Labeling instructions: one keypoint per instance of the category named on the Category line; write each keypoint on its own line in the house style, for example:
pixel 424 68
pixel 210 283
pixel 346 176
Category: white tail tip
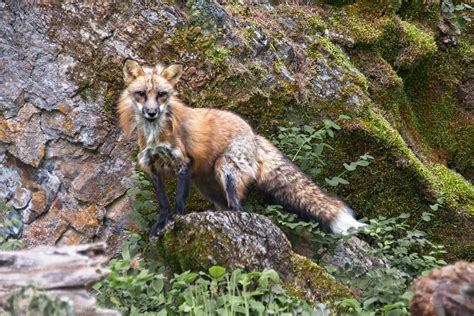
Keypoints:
pixel 345 221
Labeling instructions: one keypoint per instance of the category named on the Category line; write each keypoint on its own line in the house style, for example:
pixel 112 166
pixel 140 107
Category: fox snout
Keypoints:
pixel 150 114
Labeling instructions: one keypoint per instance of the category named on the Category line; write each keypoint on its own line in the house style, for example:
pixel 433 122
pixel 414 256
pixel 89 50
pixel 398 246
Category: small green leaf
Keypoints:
pixel 350 167
pixel 351 303
pixel 216 272
pixel 157 285
pixel 126 253
pixel 345 117
pixel 335 181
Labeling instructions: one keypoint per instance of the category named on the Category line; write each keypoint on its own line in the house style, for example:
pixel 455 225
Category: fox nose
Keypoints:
pixel 150 114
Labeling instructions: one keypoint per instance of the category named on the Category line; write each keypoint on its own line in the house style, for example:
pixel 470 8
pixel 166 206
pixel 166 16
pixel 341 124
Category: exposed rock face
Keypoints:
pixel 65 166
pixel 351 251
pixel 62 157
pixel 63 160
pixel 247 241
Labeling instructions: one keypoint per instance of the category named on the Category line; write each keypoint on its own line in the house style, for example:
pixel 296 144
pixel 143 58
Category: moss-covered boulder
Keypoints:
pixel 248 241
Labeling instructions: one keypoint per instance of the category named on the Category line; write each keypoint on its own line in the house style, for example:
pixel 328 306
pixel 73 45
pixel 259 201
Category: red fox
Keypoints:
pixel 215 149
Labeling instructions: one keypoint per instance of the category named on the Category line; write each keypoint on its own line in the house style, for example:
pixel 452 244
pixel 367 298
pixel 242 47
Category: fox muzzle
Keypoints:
pixel 151 114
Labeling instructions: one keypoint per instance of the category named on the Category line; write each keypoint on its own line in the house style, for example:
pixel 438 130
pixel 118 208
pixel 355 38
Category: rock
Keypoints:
pixel 248 241
pixel 465 93
pixel 70 237
pixel 29 145
pixel 63 272
pixel 353 251
pixel 50 137
pixel 21 198
pixel 36 207
pixel 65 214
pixel 9 181
pixel 445 291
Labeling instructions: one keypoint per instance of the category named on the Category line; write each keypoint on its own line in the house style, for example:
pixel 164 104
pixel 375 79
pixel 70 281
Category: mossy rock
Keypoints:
pixel 410 124
pixel 380 7
pixel 248 241
pixel 401 43
pixel 398 182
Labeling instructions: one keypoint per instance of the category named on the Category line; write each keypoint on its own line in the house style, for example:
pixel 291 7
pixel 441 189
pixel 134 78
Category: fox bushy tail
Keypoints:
pixel 288 186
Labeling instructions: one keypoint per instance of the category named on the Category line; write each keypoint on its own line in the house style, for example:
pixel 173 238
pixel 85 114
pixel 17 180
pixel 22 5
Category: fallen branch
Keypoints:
pixel 63 272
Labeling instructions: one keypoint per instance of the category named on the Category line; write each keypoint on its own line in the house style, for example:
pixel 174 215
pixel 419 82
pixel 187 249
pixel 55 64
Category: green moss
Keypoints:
pixel 422 12
pixel 306 21
pixel 315 23
pixel 217 56
pixel 378 8
pixel 182 249
pixel 398 182
pixel 364 31
pixel 417 46
pixel 310 275
pixel 398 42
pixel 459 193
pixel 385 86
pixel 442 124
pixel 323 46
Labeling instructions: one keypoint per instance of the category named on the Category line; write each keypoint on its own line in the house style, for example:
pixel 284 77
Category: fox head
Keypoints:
pixel 149 89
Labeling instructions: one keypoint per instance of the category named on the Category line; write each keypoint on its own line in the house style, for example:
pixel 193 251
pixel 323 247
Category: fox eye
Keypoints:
pixel 141 94
pixel 161 94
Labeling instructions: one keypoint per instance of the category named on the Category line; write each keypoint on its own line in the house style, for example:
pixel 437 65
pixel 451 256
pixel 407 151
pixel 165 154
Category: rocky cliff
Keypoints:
pixel 65 166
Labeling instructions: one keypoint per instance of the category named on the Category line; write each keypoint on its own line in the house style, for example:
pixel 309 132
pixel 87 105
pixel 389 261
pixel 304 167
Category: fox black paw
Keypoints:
pixel 158 229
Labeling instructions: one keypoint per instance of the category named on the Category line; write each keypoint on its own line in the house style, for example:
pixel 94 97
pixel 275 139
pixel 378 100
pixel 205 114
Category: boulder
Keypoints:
pixel 249 241
pixel 445 291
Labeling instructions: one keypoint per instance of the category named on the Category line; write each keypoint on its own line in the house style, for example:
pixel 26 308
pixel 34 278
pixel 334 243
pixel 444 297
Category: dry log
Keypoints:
pixel 64 272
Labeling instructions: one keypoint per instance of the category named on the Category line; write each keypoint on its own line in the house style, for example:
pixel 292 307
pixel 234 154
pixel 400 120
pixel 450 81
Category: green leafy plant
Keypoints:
pixel 9 223
pixel 138 286
pixel 405 251
pixel 457 14
pixel 30 301
pixel 306 146
pixel 135 285
pixel 144 205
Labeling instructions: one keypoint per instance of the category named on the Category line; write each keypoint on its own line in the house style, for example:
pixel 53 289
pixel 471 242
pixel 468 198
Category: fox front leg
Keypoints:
pixel 182 191
pixel 164 204
pixel 145 160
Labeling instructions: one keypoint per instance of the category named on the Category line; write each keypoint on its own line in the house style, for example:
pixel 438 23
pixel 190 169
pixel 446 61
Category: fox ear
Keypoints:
pixel 131 70
pixel 172 73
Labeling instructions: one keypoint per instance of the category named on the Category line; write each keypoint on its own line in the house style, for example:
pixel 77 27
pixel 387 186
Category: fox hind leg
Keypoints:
pixel 233 200
pixel 233 182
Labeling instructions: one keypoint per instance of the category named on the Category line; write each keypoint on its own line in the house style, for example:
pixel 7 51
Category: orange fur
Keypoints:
pixel 222 150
